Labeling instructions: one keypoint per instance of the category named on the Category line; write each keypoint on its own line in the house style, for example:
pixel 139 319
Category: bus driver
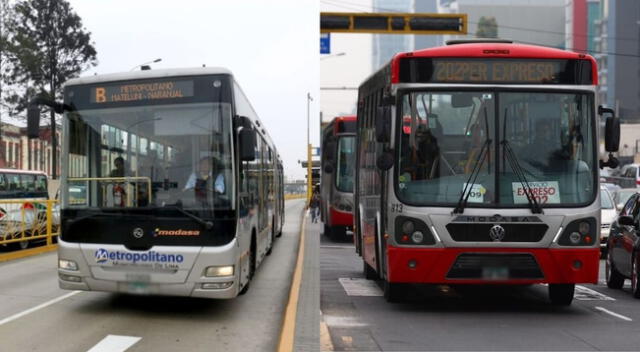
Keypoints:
pixel 198 180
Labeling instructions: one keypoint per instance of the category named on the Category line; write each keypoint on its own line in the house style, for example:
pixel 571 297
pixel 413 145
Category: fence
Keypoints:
pixel 26 221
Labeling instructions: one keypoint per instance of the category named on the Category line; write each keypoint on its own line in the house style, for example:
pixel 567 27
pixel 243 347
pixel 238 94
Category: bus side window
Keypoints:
pixel 28 183
pixel 14 182
pixel 41 183
pixel 3 182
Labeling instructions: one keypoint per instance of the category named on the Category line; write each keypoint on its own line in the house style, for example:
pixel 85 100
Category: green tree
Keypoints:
pixel 487 28
pixel 48 46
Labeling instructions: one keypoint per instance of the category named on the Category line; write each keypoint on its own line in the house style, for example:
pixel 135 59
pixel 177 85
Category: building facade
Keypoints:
pixel 17 151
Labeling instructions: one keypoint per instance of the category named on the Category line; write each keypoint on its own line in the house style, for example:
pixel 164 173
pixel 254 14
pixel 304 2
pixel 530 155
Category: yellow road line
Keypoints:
pixel 287 333
pixel 27 252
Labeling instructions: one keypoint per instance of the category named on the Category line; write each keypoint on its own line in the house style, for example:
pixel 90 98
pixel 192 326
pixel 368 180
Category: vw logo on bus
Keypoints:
pixel 138 232
pixel 497 233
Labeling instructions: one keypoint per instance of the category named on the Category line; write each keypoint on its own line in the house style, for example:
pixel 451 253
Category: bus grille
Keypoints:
pixel 513 232
pixel 495 266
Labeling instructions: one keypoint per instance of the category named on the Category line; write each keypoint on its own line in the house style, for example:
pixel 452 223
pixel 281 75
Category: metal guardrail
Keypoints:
pixel 295 196
pixel 25 221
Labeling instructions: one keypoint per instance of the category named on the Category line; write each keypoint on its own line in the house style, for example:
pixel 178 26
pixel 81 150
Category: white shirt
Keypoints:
pixel 218 184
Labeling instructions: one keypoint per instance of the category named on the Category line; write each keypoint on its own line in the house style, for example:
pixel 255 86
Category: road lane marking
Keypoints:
pixel 287 334
pixel 614 314
pixel 343 322
pixel 115 343
pixel 325 336
pixel 586 294
pixel 338 247
pixel 360 287
pixel 38 307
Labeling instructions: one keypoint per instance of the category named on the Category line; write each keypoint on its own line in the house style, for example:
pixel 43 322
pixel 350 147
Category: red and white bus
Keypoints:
pixel 477 163
pixel 338 160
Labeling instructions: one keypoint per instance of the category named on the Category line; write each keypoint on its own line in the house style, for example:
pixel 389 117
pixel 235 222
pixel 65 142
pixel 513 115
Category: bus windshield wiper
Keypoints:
pixel 519 171
pixel 93 214
pixel 178 206
pixel 468 186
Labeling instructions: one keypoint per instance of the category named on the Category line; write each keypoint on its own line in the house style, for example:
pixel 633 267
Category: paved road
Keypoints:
pixel 79 322
pixel 472 318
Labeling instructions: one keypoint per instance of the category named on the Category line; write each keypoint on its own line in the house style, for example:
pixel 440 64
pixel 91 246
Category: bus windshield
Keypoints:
pixel 511 138
pixel 150 156
pixel 345 163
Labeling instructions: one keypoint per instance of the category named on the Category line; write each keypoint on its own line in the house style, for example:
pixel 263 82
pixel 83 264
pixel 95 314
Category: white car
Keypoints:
pixel 608 213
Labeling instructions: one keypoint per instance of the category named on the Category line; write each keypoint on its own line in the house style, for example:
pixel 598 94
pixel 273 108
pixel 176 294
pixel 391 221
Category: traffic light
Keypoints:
pixel 393 23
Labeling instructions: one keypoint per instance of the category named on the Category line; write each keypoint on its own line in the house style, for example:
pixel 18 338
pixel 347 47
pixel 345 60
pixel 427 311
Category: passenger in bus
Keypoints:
pixel 427 153
pixel 119 170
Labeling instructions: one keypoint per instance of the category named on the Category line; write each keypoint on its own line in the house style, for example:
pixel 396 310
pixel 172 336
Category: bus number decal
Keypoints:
pixel 396 208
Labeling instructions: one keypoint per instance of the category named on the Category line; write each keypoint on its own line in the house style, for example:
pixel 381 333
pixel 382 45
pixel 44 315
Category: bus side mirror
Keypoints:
pixel 247 139
pixel 33 121
pixel 383 124
pixel 330 151
pixel 385 160
pixel 611 136
pixel 625 220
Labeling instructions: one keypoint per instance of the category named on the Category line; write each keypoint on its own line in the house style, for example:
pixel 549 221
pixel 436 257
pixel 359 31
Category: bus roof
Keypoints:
pixel 492 50
pixel 147 74
pixel 335 126
pixel 18 171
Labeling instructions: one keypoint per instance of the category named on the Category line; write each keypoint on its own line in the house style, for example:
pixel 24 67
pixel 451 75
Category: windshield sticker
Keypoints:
pixel 477 193
pixel 544 192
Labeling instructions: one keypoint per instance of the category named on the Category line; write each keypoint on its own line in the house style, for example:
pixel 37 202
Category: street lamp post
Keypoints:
pixel 146 63
pixel 309 174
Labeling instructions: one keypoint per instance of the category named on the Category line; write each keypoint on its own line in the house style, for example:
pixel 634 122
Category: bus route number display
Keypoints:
pixel 131 92
pixel 529 71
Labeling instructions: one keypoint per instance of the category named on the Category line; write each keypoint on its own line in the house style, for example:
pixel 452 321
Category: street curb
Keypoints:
pixel 27 253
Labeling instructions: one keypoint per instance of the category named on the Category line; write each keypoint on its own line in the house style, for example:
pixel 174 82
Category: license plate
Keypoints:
pixel 495 273
pixel 139 288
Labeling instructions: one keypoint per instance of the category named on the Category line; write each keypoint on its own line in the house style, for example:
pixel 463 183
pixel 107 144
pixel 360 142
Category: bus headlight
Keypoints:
pixel 583 228
pixel 575 238
pixel 417 237
pixel 215 271
pixel 412 231
pixel 581 232
pixel 67 265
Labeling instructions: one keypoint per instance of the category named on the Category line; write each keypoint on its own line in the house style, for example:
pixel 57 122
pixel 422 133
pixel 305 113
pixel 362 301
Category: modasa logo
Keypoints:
pixel 102 256
pixel 179 232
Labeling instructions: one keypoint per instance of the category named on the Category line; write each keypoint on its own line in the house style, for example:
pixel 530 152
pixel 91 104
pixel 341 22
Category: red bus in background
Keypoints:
pixel 336 183
pixel 477 163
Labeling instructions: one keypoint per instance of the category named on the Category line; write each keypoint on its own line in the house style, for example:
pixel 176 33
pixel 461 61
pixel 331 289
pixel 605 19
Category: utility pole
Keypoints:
pixel 309 172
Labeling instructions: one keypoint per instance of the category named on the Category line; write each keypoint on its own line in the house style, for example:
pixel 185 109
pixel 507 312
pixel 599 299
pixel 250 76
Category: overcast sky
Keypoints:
pixel 272 47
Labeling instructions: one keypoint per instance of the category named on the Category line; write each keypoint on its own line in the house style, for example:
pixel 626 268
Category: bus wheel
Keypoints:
pixel 273 241
pixel 614 279
pixel 635 288
pixel 369 273
pixel 327 230
pixel 561 294
pixel 392 292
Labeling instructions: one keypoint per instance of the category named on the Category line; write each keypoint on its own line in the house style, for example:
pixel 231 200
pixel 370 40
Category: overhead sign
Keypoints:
pixel 325 43
pixel 142 91
pixel 393 23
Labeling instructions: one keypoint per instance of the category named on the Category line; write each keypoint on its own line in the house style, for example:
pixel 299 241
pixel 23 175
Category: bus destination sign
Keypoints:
pixel 497 71
pixel 131 92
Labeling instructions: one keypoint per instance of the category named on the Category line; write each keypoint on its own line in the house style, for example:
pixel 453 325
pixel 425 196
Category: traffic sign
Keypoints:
pixel 394 23
pixel 325 43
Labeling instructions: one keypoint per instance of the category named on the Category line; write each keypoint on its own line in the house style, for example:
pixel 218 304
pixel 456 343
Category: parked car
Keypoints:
pixel 621 196
pixel 607 214
pixel 611 187
pixel 629 176
pixel 623 259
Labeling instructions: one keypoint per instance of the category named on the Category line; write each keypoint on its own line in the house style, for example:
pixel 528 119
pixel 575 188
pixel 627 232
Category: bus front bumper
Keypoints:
pixel 492 265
